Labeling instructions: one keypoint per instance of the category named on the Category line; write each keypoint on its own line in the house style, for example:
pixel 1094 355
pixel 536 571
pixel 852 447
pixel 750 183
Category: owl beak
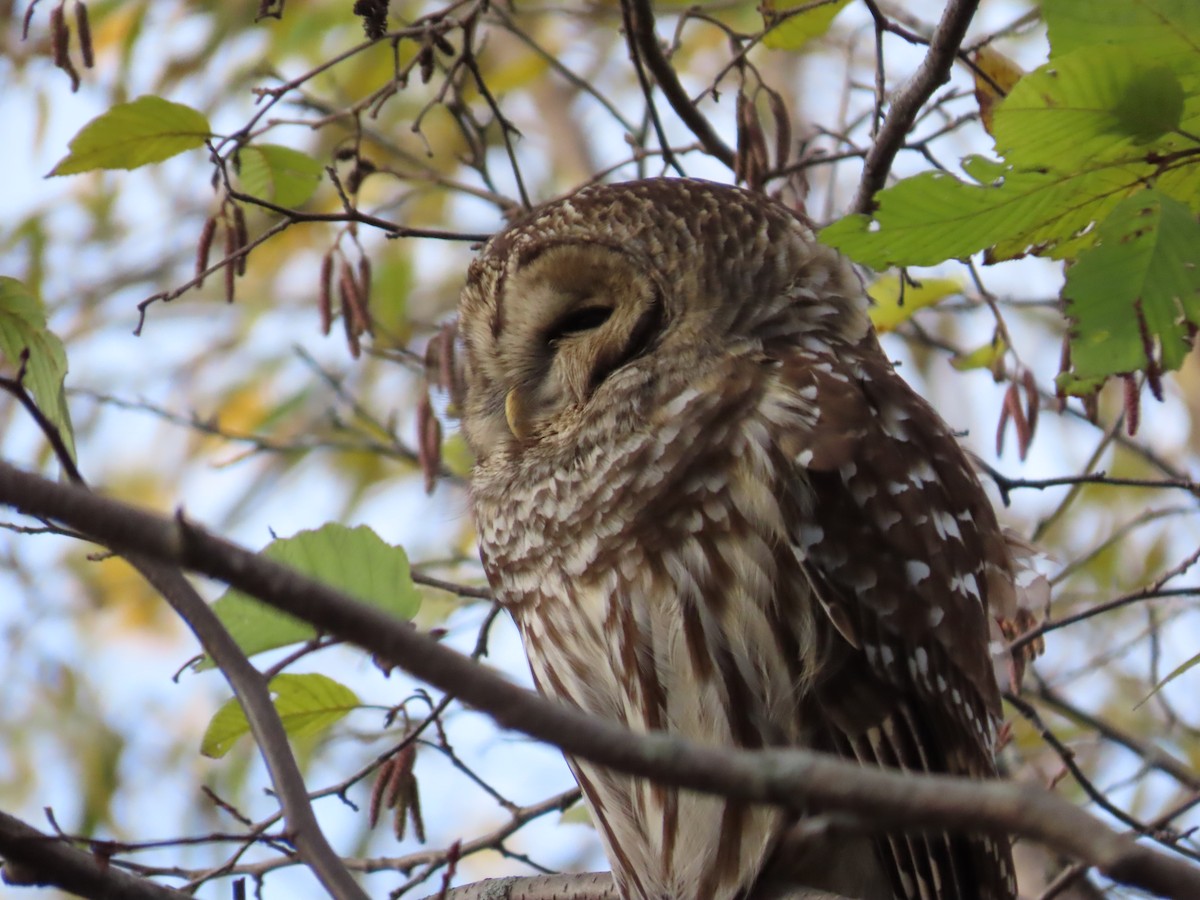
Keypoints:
pixel 514 415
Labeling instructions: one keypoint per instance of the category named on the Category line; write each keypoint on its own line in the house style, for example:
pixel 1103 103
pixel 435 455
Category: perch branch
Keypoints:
pixel 889 800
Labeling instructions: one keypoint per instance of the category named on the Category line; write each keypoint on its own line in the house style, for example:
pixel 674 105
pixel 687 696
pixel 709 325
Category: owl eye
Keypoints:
pixel 578 321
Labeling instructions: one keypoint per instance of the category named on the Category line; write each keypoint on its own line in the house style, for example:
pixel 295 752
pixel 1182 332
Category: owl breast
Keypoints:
pixel 654 584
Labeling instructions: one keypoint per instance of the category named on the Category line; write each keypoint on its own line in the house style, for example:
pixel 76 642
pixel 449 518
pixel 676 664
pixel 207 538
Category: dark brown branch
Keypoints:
pixel 888 800
pixel 35 859
pixel 642 24
pixel 1006 485
pixel 933 72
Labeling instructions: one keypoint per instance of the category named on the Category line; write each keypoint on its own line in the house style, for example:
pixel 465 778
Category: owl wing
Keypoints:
pixel 902 549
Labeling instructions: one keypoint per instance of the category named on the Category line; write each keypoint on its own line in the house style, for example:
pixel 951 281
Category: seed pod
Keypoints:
pixel 60 37
pixel 352 301
pixel 28 20
pixel 1133 406
pixel 783 127
pixel 345 291
pixel 429 441
pixel 230 268
pixel 83 28
pixel 1033 402
pixel 325 292
pixel 364 292
pixel 204 248
pixel 243 236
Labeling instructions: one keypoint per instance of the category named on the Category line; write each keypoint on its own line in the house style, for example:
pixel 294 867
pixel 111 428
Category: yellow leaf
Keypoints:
pixel 893 307
pixel 995 76
pixel 811 20
pixel 986 357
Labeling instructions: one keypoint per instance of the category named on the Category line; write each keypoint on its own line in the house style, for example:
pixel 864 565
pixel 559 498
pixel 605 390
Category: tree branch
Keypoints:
pixel 641 19
pixel 33 858
pixel 586 886
pixel 934 71
pixel 889 800
pixel 248 684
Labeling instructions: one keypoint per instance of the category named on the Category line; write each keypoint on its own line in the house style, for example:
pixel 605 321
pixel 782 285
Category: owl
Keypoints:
pixel 714 510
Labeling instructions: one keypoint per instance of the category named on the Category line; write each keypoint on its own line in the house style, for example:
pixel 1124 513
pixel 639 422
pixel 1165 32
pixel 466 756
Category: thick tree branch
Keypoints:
pixel 934 71
pixel 587 886
pixel 642 26
pixel 888 800
pixel 33 858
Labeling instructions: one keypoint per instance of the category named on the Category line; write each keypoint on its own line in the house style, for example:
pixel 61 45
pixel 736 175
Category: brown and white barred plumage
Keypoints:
pixel 713 509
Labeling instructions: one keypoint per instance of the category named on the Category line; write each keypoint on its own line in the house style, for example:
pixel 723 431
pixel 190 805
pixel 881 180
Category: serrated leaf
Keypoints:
pixel 1095 107
pixel 279 174
pixel 894 306
pixel 146 130
pixel 932 217
pixel 307 705
pixel 1147 261
pixel 23 327
pixel 354 560
pixel 1079 23
pixel 796 31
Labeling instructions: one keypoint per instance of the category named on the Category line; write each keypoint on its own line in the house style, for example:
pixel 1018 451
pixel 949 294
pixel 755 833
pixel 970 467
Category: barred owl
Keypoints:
pixel 714 510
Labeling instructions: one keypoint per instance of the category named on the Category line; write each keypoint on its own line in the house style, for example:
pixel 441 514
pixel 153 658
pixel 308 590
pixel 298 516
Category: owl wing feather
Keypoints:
pixel 899 543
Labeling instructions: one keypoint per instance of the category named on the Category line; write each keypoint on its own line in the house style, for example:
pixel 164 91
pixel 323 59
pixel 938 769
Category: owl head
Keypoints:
pixel 567 307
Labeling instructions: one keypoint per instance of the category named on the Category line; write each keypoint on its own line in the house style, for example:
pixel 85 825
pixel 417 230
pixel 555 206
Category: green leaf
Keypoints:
pixel 1077 387
pixel 894 306
pixel 148 130
pixel 23 327
pixel 794 32
pixel 1145 266
pixel 1151 104
pixel 307 705
pixel 1095 107
pixel 932 217
pixel 577 814
pixel 1079 23
pixel 986 357
pixel 354 560
pixel 279 174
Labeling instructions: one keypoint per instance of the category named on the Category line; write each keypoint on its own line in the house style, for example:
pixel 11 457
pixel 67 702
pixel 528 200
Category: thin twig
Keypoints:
pixel 933 72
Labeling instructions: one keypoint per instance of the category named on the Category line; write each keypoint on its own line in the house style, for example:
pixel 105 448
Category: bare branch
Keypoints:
pixel 906 104
pixel 588 886
pixel 889 800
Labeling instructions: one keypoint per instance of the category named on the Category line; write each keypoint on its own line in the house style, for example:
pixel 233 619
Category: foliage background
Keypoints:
pixel 260 425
